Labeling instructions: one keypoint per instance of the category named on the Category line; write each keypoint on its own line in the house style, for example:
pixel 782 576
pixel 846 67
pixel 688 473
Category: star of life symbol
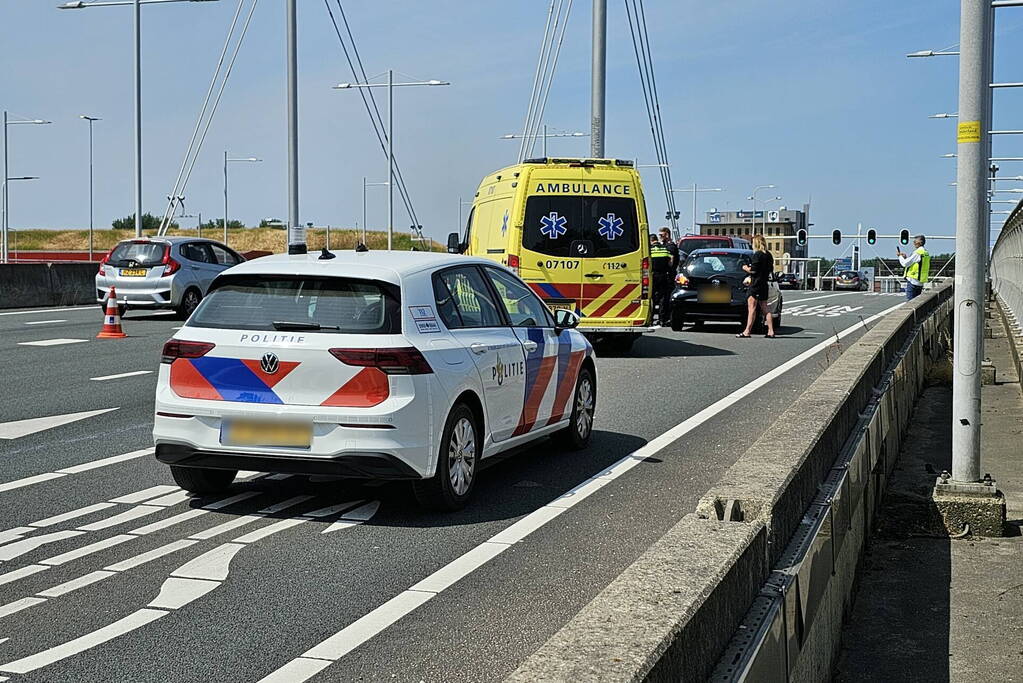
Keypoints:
pixel 504 222
pixel 611 227
pixel 553 225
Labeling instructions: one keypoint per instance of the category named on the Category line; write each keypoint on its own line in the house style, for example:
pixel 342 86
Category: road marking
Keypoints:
pixel 96 547
pixel 145 494
pixel 53 342
pixel 352 636
pixel 75 584
pixel 186 584
pixel 815 298
pixel 126 516
pixel 16 532
pixel 154 554
pixel 20 428
pixel 121 375
pixel 112 460
pixel 89 640
pixel 80 512
pixel 44 322
pixel 22 573
pixel 50 310
pixel 19 548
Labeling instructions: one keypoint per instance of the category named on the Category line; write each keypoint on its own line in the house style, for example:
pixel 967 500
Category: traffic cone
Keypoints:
pixel 111 320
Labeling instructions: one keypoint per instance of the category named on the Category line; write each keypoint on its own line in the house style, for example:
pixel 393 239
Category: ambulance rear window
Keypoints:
pixel 252 302
pixel 606 225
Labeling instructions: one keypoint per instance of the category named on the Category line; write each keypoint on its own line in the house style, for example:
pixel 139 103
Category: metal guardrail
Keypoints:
pixel 1007 265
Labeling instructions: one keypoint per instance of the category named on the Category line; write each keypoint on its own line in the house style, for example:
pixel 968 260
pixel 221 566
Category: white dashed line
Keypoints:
pixel 52 342
pixel 32 425
pixel 44 322
pixel 50 310
pixel 104 378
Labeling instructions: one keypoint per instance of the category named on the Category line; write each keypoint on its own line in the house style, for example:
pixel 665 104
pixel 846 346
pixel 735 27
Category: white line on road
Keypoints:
pixel 347 639
pixel 816 298
pixel 119 376
pixel 51 310
pixel 44 322
pixel 20 428
pixel 75 469
pixel 52 342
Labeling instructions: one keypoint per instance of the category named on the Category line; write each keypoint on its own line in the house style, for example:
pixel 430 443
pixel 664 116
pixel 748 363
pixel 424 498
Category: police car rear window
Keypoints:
pixel 605 226
pixel 337 305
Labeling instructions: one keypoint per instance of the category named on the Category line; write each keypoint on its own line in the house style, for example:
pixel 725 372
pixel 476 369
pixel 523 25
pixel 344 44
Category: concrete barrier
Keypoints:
pixel 24 285
pixel 788 521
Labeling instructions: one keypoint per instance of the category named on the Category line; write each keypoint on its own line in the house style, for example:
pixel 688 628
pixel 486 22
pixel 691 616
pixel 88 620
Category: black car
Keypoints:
pixel 709 288
pixel 789 281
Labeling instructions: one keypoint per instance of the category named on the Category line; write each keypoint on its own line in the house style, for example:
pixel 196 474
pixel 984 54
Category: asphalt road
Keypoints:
pixel 108 572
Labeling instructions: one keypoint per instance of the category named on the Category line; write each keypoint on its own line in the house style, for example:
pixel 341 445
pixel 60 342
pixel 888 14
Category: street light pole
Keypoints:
pixel 390 85
pixel 753 196
pixel 6 192
pixel 694 189
pixel 138 117
pixel 971 236
pixel 296 233
pixel 91 120
pixel 226 160
pixel 598 79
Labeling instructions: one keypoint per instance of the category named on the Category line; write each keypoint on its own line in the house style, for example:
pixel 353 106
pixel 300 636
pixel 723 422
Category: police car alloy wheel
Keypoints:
pixel 577 435
pixel 451 485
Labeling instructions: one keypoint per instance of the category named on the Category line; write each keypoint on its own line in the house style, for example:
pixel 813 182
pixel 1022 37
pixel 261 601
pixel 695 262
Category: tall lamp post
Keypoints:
pixel 227 160
pixel 390 85
pixel 91 120
pixel 3 191
pixel 694 189
pixel 364 186
pixel 6 194
pixel 136 5
pixel 753 198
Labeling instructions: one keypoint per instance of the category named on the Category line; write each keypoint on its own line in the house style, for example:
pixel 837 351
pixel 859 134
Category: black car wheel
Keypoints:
pixel 189 301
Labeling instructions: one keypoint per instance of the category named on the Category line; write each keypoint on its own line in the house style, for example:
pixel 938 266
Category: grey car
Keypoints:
pixel 163 272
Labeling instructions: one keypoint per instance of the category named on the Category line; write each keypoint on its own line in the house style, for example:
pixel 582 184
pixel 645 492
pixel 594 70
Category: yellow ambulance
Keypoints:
pixel 576 231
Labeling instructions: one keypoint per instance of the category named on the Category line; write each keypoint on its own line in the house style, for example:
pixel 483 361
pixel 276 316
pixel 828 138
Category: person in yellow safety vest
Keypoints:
pixel 917 265
pixel 663 263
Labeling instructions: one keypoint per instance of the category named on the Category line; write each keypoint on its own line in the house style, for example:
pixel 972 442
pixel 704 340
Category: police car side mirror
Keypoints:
pixel 455 244
pixel 565 319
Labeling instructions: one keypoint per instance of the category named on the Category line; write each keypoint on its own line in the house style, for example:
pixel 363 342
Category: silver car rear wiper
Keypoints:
pixel 285 325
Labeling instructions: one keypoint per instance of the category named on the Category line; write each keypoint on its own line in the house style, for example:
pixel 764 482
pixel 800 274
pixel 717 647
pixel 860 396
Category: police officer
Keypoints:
pixel 917 265
pixel 663 264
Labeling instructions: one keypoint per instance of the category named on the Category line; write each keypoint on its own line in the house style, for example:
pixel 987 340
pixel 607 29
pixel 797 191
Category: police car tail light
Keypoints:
pixel 175 348
pixel 404 361
pixel 170 265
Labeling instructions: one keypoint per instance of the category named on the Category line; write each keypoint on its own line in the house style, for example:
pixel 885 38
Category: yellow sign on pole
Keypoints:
pixel 969 131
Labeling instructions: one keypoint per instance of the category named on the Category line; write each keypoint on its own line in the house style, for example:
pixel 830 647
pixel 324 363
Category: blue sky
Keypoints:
pixel 815 97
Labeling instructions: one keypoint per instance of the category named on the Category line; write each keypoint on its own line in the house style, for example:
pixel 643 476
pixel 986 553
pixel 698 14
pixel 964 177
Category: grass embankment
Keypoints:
pixel 240 239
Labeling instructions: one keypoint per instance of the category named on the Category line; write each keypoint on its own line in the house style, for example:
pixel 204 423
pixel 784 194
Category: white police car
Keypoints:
pixel 382 365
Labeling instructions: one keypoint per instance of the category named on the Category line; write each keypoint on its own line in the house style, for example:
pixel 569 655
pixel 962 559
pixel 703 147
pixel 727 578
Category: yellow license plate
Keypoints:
pixel 561 305
pixel 280 434
pixel 715 295
pixel 134 272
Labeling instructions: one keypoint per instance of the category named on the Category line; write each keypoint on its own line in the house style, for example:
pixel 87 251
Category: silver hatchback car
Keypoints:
pixel 163 272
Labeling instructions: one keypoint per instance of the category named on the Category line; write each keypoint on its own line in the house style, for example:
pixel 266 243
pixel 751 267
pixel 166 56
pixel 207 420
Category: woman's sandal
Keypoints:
pixel 743 336
pixel 770 336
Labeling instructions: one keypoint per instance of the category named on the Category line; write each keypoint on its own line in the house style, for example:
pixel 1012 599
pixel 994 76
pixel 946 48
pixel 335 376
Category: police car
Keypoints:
pixel 379 365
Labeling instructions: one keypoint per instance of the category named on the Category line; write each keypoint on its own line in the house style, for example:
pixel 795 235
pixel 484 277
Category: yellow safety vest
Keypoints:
pixel 922 268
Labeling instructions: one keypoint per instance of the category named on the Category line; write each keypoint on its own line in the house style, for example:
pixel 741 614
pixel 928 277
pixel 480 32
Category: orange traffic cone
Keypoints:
pixel 111 320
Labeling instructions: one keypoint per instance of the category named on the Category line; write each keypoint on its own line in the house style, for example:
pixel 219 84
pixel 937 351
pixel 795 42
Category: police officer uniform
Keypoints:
pixel 663 263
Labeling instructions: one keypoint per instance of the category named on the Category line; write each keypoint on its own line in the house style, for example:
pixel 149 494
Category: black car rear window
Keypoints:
pixel 708 265
pixel 247 302
pixel 141 253
pixel 607 225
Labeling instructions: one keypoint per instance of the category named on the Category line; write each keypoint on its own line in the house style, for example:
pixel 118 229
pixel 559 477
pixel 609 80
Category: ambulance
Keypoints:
pixel 575 230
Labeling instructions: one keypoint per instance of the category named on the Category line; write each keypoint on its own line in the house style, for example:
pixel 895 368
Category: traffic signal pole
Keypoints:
pixel 971 235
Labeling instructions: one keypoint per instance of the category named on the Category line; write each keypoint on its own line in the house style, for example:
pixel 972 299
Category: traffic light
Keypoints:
pixel 871 236
pixel 836 236
pixel 904 237
pixel 801 237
